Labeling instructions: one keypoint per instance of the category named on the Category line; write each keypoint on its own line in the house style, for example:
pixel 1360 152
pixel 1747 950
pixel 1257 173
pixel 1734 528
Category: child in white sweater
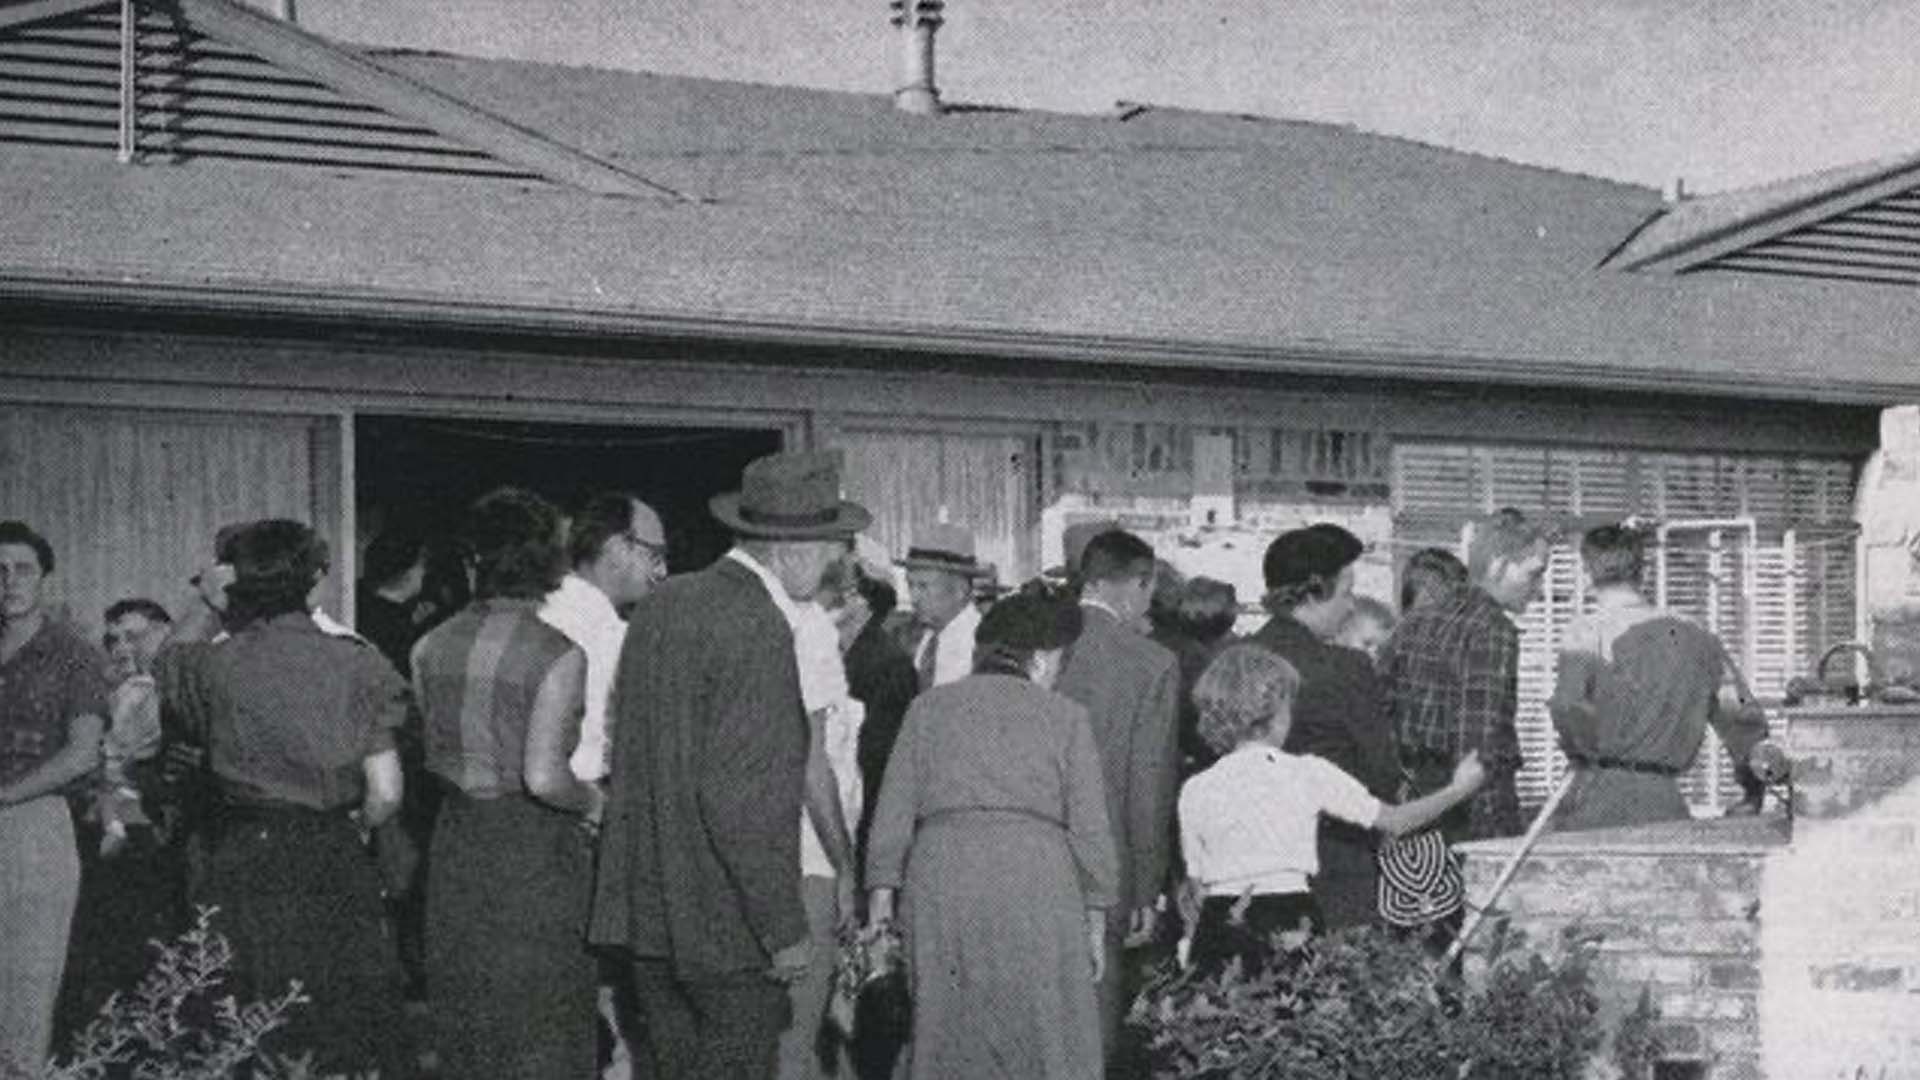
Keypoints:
pixel 1248 823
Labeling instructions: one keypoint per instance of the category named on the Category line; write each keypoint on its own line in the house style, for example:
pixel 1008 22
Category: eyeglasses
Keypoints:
pixel 656 553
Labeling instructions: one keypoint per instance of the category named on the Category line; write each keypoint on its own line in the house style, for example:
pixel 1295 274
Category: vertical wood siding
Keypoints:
pixel 984 482
pixel 130 501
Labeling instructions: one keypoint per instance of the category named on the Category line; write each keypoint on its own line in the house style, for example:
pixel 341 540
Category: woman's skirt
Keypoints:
pixel 299 900
pixel 509 980
pixel 1001 965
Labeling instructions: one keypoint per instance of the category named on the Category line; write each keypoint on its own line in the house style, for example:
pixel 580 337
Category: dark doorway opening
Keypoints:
pixel 419 473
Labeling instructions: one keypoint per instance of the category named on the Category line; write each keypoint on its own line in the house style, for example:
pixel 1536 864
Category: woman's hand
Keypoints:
pixel 1097 941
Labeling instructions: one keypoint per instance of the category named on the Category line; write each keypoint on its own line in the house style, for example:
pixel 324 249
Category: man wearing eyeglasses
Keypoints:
pixel 619 552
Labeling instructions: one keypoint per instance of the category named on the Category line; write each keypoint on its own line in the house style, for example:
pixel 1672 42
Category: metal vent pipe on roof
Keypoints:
pixel 916 20
pixel 285 9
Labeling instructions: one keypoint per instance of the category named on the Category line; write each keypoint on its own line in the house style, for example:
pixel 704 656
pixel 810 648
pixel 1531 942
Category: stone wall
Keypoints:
pixel 1842 906
pixel 1677 910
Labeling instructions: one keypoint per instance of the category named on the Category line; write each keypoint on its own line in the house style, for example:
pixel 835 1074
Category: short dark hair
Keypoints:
pixel 223 539
pixel 880 595
pixel 1430 570
pixel 19 532
pixel 1615 555
pixel 137 605
pixel 392 553
pixel 1116 555
pixel 605 515
pixel 514 535
pixel 276 563
pixel 1506 535
pixel 1163 607
pixel 1208 608
pixel 1027 622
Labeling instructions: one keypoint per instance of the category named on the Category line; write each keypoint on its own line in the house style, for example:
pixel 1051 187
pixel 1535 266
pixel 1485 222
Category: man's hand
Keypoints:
pixel 1140 924
pixel 791 963
pixel 1097 941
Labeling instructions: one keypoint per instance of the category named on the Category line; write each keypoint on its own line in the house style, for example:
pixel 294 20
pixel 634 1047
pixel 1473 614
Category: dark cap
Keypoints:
pixel 1030 620
pixel 1298 555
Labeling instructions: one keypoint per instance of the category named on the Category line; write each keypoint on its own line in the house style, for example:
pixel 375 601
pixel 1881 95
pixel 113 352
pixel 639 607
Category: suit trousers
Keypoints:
pixel 39 886
pixel 710 1027
pixel 799 1060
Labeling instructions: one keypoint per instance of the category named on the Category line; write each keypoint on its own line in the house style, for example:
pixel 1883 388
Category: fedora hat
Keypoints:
pixel 791 496
pixel 944 547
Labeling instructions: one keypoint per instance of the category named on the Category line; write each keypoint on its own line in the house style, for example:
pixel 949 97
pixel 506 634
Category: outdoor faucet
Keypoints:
pixel 1852 687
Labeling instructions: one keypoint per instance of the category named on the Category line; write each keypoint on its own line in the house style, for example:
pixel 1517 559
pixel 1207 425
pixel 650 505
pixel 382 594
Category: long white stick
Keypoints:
pixel 1513 866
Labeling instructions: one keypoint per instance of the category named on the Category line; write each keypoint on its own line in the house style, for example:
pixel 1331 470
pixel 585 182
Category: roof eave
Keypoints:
pixel 1324 358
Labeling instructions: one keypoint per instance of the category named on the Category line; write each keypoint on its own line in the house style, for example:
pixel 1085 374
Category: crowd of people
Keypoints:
pixel 592 819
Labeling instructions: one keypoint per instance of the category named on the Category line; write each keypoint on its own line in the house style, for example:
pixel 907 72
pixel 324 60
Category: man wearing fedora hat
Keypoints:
pixel 699 878
pixel 941 571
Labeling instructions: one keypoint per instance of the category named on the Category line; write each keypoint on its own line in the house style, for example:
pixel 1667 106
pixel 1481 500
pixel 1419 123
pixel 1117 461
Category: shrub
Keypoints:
pixel 172 1026
pixel 1362 1003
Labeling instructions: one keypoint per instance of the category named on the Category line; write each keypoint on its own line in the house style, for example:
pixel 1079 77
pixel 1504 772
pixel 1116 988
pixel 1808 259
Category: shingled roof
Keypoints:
pixel 1168 238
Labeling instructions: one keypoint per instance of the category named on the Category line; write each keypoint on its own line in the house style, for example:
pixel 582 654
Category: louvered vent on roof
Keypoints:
pixel 196 98
pixel 1878 242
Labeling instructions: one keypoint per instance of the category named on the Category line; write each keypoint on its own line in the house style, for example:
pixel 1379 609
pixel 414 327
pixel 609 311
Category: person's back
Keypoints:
pixel 1451 673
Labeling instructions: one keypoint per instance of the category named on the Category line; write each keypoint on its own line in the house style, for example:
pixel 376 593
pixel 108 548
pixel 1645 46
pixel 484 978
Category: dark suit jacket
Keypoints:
pixel 881 677
pixel 700 856
pixel 1131 688
pixel 1337 715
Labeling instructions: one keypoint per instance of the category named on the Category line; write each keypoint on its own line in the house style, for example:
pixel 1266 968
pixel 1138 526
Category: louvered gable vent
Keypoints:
pixel 198 98
pixel 216 79
pixel 1878 243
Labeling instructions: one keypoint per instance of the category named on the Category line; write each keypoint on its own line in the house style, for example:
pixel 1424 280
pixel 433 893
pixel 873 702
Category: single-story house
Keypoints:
pixel 245 270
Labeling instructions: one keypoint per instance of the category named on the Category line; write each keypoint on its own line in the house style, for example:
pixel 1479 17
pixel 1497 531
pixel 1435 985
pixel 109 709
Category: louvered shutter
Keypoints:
pixel 1778 597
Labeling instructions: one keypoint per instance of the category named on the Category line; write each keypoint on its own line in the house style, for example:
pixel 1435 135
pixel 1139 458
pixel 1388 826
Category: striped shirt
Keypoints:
pixel 476 678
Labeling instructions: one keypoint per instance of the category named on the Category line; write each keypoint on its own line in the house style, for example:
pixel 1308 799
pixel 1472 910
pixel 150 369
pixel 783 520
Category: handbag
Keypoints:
pixel 1419 879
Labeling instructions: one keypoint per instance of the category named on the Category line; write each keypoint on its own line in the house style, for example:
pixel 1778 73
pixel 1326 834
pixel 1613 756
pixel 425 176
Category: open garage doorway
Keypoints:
pixel 419 472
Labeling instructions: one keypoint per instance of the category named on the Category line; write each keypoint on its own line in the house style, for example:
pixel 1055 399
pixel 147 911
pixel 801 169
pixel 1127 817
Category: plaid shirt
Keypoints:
pixel 1452 685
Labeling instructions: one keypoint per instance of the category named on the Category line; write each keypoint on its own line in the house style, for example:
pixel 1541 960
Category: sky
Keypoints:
pixel 1717 93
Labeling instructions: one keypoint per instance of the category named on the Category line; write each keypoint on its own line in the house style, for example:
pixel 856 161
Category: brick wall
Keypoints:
pixel 1771 951
pixel 1677 908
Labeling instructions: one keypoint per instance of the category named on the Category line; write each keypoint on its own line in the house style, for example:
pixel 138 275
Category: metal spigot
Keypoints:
pixel 1852 686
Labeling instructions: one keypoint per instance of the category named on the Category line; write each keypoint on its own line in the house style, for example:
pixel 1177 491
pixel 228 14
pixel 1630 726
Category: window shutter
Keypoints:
pixel 1778 599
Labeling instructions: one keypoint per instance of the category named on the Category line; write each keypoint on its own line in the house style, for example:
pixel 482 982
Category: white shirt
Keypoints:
pixel 1249 821
pixel 954 660
pixel 823 685
pixel 581 611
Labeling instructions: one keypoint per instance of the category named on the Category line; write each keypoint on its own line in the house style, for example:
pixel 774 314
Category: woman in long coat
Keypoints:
pixel 992 821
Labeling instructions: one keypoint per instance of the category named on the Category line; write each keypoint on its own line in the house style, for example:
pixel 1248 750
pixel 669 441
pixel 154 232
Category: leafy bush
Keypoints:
pixel 1362 1003
pixel 172 1026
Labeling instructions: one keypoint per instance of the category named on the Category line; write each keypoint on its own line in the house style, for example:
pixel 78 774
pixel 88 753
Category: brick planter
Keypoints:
pixel 1775 949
